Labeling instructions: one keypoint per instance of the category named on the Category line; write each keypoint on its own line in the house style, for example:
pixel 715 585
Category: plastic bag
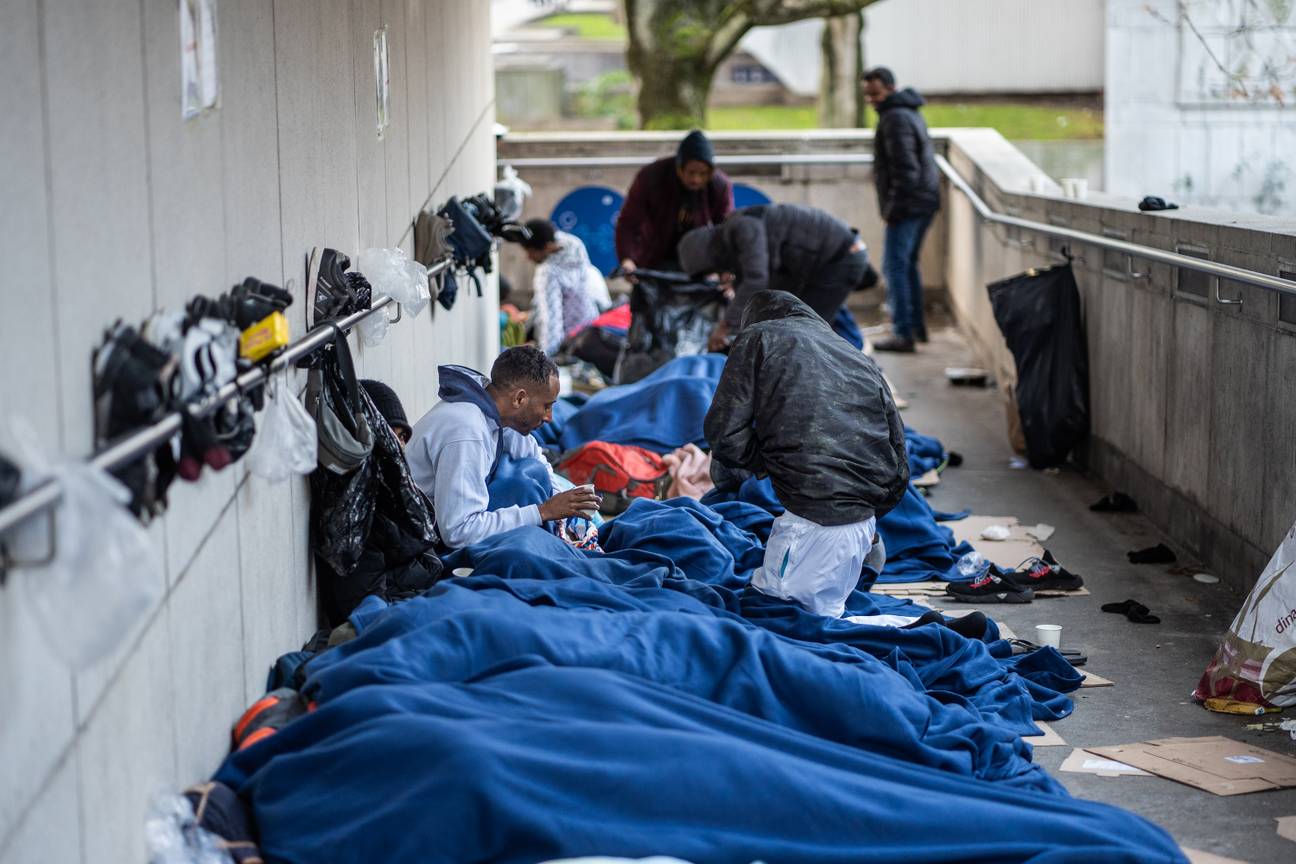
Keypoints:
pixel 373 329
pixel 104 574
pixel 1256 659
pixel 286 443
pixel 392 272
pixel 670 316
pixel 511 193
pixel 1040 317
pixel 173 835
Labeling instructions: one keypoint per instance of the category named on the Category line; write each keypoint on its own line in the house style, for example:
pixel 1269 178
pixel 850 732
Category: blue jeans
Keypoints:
pixel 900 269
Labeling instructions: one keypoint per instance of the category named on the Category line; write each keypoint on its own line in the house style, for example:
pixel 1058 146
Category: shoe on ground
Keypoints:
pixel 1046 574
pixel 994 586
pixel 894 344
pixel 920 336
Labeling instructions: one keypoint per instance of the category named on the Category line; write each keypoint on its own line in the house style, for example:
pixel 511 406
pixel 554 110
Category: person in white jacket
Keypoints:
pixel 456 447
pixel 569 291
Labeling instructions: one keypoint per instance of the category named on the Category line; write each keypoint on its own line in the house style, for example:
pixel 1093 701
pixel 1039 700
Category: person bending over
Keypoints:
pixel 668 198
pixel 799 404
pixel 456 447
pixel 569 290
pixel 783 247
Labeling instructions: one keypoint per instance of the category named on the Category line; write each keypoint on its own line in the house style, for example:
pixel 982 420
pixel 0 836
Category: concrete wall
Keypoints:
pixel 968 46
pixel 846 191
pixel 1178 126
pixel 1192 402
pixel 115 207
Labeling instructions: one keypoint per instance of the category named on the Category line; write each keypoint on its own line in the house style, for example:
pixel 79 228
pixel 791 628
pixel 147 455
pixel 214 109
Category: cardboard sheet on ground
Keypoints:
pixel 1081 762
pixel 1090 679
pixel 1286 826
pixel 1005 553
pixel 1197 856
pixel 1216 764
pixel 932 588
pixel 1049 738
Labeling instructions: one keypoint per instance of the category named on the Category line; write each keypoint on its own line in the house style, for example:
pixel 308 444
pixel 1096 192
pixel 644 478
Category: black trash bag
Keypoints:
pixel 1040 316
pixel 597 347
pixel 671 315
pixel 10 477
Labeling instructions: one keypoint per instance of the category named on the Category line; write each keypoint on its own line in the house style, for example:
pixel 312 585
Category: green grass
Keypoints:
pixel 1014 121
pixel 587 25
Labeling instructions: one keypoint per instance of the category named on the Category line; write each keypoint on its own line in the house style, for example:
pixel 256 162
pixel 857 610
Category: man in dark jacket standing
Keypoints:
pixel 908 190
pixel 796 402
pixel 668 198
pixel 782 247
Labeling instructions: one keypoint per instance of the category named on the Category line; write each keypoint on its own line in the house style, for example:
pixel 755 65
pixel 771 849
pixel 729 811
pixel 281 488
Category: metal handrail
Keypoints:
pixel 1134 250
pixel 149 438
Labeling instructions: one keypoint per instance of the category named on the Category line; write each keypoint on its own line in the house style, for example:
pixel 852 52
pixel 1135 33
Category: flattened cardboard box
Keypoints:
pixel 1216 764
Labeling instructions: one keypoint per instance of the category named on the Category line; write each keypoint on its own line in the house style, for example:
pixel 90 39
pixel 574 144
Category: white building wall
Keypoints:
pixel 114 207
pixel 1173 127
pixel 957 46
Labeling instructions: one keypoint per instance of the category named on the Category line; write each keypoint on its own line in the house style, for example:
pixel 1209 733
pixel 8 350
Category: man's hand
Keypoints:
pixel 573 502
pixel 719 338
pixel 628 267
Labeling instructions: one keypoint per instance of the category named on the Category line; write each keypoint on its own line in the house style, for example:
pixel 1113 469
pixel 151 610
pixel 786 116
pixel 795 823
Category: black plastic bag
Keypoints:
pixel 670 316
pixel 598 347
pixel 1040 316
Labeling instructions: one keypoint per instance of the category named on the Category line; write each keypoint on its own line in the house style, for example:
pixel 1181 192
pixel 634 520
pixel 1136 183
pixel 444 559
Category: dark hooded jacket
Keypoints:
pixel 904 163
pixel 779 247
pixel 798 403
pixel 658 210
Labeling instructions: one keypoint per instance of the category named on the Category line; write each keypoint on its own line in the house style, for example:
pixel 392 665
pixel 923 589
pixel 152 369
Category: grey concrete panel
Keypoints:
pixel 127 752
pixel 208 681
pixel 371 168
pixel 274 605
pixel 27 335
pixel 99 194
pixel 185 175
pixel 1239 410
pixel 1188 422
pixel 401 208
pixel 1150 341
pixel 420 123
pixel 51 834
pixel 1279 454
pixel 37 688
pixel 192 511
pixel 250 145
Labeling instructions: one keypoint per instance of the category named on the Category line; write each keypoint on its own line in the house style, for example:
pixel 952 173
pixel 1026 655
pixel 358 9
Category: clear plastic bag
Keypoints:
pixel 510 193
pixel 392 272
pixel 373 328
pixel 286 441
pixel 104 574
pixel 173 835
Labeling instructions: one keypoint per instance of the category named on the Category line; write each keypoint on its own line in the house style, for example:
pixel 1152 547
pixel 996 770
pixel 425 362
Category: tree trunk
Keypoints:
pixel 841 99
pixel 668 54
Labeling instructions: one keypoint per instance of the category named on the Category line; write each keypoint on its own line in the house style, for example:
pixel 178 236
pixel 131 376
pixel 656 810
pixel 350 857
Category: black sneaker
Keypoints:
pixel 995 586
pixel 327 292
pixel 920 335
pixel 894 344
pixel 1046 574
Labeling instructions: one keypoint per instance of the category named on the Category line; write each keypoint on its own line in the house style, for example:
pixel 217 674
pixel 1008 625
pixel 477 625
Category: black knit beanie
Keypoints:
pixel 387 403
pixel 695 148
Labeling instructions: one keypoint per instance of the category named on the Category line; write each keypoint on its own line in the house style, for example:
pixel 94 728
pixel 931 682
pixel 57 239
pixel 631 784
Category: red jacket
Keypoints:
pixel 654 216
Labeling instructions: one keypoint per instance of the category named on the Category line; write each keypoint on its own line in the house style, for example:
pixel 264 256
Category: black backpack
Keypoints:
pixel 470 244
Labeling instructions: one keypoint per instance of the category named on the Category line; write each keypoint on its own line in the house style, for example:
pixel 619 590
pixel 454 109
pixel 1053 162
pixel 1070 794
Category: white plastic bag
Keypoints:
pixel 286 442
pixel 173 835
pixel 104 574
pixel 510 193
pixel 392 272
pixel 373 328
pixel 1256 659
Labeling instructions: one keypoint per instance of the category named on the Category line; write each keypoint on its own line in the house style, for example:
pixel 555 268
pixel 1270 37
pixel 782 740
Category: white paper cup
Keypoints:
pixel 1048 634
pixel 1075 187
pixel 1037 184
pixel 462 571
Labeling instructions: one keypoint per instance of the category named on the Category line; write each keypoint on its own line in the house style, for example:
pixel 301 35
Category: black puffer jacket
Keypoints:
pixel 780 247
pixel 799 403
pixel 904 164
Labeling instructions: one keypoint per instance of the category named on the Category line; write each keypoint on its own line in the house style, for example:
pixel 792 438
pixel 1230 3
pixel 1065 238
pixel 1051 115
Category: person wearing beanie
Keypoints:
pixel 389 406
pixel 569 291
pixel 667 199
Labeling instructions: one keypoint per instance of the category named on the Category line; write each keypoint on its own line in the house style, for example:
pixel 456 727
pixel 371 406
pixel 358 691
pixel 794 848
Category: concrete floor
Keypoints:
pixel 1155 667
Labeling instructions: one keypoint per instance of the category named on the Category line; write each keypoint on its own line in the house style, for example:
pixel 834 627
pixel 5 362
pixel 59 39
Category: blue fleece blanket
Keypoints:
pixel 559 703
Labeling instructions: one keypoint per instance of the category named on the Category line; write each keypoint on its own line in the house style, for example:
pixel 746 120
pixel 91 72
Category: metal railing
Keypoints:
pixel 147 439
pixel 1132 250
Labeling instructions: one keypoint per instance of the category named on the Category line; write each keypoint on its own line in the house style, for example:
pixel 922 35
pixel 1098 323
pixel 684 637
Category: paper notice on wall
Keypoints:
pixel 199 78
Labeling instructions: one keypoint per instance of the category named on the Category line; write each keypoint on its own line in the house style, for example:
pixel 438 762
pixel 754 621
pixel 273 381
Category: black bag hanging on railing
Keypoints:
pixel 470 244
pixel 1040 317
pixel 671 315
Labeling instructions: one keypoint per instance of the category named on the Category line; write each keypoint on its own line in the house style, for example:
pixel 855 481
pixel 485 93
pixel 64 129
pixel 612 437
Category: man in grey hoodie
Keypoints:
pixel 781 247
pixel 456 447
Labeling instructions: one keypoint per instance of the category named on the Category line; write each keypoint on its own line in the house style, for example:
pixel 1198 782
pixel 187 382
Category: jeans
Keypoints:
pixel 900 268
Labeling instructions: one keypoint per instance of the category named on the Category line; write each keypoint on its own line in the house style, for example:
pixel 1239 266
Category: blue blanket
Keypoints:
pixel 559 703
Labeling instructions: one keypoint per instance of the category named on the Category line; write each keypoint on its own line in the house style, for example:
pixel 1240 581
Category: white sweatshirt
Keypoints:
pixel 450 453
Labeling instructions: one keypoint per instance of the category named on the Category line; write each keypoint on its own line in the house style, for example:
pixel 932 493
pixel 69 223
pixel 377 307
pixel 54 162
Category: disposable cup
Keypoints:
pixel 1048 634
pixel 1075 187
pixel 462 571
